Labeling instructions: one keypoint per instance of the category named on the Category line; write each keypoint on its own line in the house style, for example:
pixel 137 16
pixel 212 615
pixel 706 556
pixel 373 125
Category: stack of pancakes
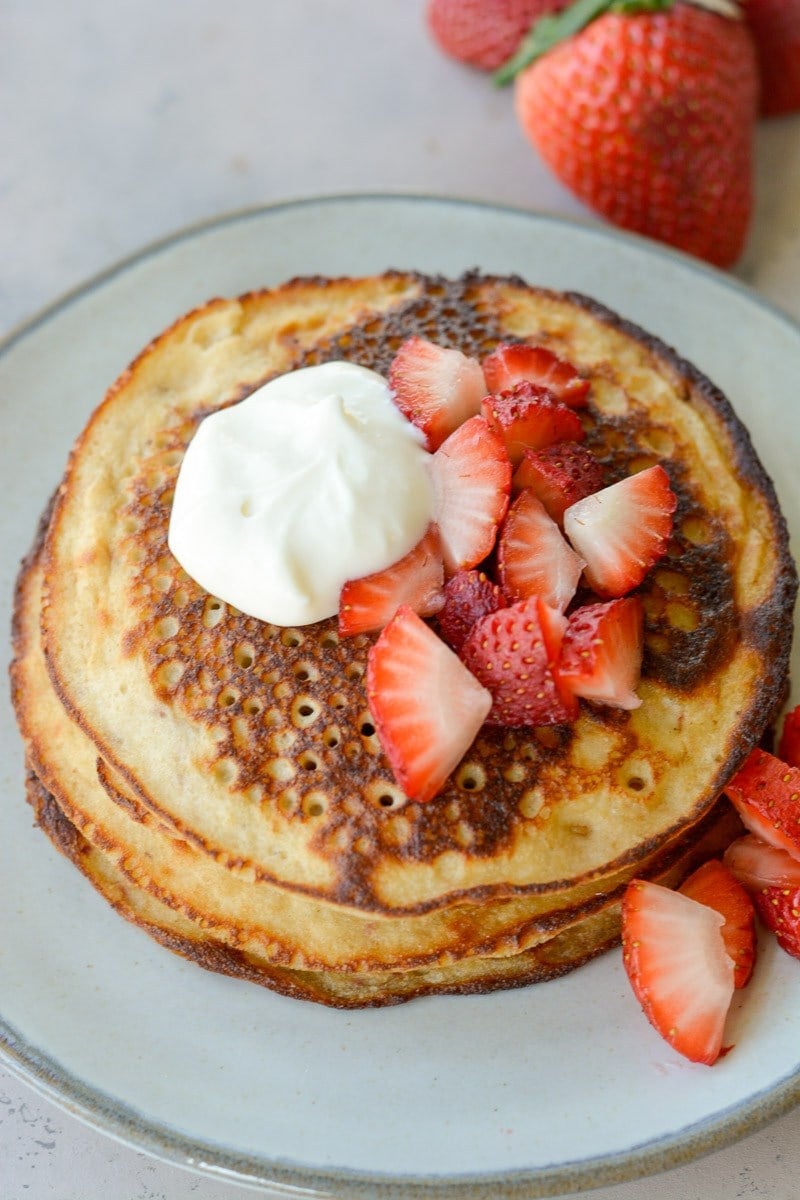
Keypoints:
pixel 219 780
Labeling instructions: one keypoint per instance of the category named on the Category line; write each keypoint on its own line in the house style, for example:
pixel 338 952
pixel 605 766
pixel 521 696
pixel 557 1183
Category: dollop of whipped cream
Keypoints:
pixel 314 479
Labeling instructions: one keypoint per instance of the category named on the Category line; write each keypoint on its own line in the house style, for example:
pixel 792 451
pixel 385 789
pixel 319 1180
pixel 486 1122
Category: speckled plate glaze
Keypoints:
pixel 535 1092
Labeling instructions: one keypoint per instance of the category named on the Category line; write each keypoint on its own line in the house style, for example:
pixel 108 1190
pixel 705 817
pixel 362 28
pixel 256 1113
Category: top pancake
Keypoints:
pixel 255 743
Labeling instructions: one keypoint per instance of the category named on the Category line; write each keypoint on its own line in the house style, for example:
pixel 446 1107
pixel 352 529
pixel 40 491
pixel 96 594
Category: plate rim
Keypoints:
pixel 111 1116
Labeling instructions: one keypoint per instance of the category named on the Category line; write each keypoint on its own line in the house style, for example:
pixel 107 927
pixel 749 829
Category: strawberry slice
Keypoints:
pixel 772 876
pixel 622 530
pixel 533 558
pixel 511 363
pixel 779 909
pixel 601 657
pixel 789 745
pixel 471 478
pixel 759 865
pixel 715 885
pixel 530 417
pixel 559 475
pixel 416 580
pixel 766 794
pixel 436 388
pixel 426 705
pixel 681 974
pixel 512 652
pixel 468 596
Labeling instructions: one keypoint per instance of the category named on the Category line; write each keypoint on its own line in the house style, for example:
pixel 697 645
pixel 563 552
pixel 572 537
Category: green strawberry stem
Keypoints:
pixel 553 28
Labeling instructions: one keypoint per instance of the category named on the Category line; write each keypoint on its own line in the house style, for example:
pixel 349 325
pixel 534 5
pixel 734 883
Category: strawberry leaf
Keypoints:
pixel 553 28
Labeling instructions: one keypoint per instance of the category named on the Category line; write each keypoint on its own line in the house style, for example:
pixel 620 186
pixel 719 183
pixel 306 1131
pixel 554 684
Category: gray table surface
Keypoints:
pixel 124 123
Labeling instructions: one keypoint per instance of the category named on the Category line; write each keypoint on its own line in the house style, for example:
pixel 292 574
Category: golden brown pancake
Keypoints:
pixel 279 925
pixel 199 751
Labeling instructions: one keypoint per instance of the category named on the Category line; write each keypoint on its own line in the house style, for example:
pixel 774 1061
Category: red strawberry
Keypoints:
pixel 483 33
pixel 775 26
pixel 437 389
pixel 471 478
pixel 529 417
pixel 715 885
pixel 468 596
pixel 789 745
pixel 426 705
pixel 759 865
pixel 416 580
pixel 559 475
pixel 779 909
pixel 676 961
pixel 532 557
pixel 601 656
pixel 622 530
pixel 517 362
pixel 772 876
pixel 512 652
pixel 649 118
pixel 766 794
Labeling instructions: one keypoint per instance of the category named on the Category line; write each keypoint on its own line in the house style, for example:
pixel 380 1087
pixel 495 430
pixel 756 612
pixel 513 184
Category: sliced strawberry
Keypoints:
pixel 676 961
pixel 772 876
pixel 766 794
pixel 436 388
pixel 512 652
pixel 471 478
pixel 511 363
pixel 426 705
pixel 468 596
pixel 601 657
pixel 789 746
pixel 417 581
pixel 559 475
pixel 530 417
pixel 622 530
pixel 779 909
pixel 532 556
pixel 758 865
pixel 715 885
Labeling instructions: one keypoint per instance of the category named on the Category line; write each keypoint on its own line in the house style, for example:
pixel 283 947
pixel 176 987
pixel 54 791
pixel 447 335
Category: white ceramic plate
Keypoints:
pixel 530 1093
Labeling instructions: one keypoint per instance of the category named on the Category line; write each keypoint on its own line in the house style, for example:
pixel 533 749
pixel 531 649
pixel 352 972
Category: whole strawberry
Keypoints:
pixel 484 33
pixel 649 117
pixel 775 26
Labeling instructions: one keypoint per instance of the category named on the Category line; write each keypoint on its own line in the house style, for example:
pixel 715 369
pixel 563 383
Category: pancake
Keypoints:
pixel 225 773
pixel 567 949
pixel 277 925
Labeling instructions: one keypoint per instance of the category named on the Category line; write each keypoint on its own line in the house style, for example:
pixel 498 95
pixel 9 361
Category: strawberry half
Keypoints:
pixel 426 705
pixel 678 967
pixel 533 558
pixel 601 656
pixel 559 476
pixel 512 652
pixel 529 417
pixel 789 745
pixel 766 794
pixel 759 865
pixel 468 596
pixel 436 388
pixel 471 478
pixel 622 530
pixel 416 580
pixel 715 885
pixel 511 363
